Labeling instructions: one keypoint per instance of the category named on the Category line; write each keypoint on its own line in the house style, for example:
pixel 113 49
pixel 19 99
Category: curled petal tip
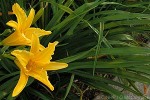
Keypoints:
pixel 52 88
pixel 56 42
pixel 66 64
pixel 13 95
pixel 48 32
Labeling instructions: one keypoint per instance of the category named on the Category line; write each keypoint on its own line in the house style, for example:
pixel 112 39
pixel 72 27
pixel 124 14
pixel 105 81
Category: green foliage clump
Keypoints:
pixel 99 39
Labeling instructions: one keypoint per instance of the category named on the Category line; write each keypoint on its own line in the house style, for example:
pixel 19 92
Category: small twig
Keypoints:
pixel 145 87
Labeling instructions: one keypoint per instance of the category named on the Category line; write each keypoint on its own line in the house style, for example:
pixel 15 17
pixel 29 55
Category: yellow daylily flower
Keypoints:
pixel 23 32
pixel 35 63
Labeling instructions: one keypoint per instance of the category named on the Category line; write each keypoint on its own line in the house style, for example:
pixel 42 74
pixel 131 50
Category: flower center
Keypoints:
pixel 31 64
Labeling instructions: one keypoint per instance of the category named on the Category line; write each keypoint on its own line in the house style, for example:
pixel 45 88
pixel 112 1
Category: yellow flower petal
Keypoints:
pixel 41 47
pixel 41 75
pixel 44 57
pixel 55 66
pixel 19 65
pixel 29 20
pixel 16 39
pixel 22 56
pixel 20 14
pixel 39 32
pixel 35 44
pixel 13 24
pixel 21 84
pixel 23 32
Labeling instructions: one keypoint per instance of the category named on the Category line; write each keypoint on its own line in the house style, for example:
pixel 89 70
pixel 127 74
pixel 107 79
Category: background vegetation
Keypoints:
pixel 99 39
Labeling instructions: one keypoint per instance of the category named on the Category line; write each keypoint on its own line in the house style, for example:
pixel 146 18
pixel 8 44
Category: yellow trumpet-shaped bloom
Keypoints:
pixel 23 32
pixel 35 63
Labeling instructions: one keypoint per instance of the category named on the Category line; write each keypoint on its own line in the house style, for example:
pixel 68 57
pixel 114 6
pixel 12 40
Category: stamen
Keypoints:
pixel 31 64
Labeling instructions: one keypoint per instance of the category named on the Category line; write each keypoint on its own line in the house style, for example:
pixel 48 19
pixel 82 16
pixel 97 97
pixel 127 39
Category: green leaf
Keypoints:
pixel 38 94
pixel 104 87
pixel 38 15
pixel 69 86
pixel 8 75
pixel 105 64
pixel 10 97
pixel 128 75
pixel 65 8
pixel 99 78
